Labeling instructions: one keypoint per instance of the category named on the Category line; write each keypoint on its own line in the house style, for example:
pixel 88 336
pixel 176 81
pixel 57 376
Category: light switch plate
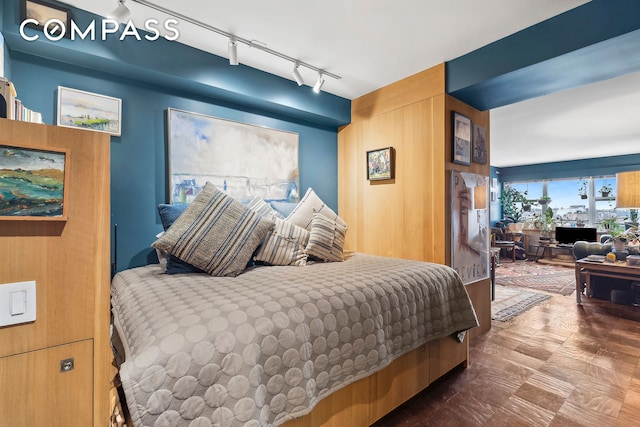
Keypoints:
pixel 12 298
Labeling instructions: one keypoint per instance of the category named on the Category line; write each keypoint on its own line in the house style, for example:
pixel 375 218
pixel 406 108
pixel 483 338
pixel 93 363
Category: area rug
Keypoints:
pixel 510 302
pixel 542 277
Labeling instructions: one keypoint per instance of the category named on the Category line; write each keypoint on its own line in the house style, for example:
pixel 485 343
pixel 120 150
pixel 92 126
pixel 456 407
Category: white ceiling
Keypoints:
pixel 372 43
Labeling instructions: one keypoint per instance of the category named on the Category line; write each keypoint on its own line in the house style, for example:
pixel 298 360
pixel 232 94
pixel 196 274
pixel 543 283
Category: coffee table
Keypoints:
pixel 617 270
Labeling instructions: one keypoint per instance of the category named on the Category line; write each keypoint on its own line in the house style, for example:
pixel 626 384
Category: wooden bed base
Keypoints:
pixel 369 399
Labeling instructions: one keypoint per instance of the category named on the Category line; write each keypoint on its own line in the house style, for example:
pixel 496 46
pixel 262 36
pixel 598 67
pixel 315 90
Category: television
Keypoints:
pixel 570 235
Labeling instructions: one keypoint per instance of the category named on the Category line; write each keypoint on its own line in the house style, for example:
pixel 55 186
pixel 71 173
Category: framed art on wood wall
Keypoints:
pixel 86 110
pixel 33 183
pixel 461 139
pixel 381 164
pixel 240 159
pixel 479 144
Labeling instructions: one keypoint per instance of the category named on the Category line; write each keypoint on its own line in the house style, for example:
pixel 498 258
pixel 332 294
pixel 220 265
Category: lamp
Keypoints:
pixel 296 74
pixel 121 13
pixel 233 51
pixel 628 190
pixel 480 196
pixel 236 39
pixel 319 83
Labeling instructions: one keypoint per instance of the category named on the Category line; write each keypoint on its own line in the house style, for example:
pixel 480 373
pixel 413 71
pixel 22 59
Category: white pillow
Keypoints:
pixel 302 214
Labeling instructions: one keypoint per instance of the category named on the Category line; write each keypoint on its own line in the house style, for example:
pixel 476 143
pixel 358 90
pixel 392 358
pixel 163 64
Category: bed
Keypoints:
pixel 269 344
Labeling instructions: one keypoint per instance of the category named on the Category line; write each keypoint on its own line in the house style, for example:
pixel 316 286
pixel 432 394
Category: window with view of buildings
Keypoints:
pixel 575 202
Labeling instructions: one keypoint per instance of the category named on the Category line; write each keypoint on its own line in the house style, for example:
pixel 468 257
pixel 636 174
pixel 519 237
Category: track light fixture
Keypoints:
pixel 233 51
pixel 121 13
pixel 296 74
pixel 319 83
pixel 233 60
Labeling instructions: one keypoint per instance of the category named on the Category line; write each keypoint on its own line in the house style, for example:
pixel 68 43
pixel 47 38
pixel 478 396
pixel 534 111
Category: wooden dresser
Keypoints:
pixel 69 261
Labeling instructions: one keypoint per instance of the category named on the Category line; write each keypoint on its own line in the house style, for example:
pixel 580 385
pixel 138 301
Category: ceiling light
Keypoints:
pixel 121 13
pixel 296 75
pixel 233 51
pixel 319 83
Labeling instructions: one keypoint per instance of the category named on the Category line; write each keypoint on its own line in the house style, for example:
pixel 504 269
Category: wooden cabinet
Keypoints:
pixel 69 261
pixel 35 392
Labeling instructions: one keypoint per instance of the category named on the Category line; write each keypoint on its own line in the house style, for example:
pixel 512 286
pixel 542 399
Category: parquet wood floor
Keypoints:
pixel 558 364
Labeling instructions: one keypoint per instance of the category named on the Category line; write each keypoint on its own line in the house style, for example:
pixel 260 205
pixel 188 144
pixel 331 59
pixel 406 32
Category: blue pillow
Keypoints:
pixel 168 214
pixel 284 208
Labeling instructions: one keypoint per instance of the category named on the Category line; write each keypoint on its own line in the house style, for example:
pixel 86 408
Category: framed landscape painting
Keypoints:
pixel 33 183
pixel 86 110
pixel 381 164
pixel 240 159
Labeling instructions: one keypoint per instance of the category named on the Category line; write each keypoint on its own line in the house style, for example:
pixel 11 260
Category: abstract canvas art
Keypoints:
pixel 469 226
pixel 241 160
pixel 32 183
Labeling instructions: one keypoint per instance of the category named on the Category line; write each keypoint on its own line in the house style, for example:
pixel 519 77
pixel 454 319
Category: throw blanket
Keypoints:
pixel 264 347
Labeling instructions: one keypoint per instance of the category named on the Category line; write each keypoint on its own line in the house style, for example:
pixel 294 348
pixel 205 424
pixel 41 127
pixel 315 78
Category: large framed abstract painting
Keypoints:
pixel 33 183
pixel 469 226
pixel 241 160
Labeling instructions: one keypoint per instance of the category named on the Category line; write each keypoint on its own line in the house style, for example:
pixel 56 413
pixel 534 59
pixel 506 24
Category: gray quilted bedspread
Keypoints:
pixel 266 346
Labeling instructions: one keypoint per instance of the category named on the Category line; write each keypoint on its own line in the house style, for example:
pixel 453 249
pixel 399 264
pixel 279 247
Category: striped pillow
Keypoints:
pixel 326 240
pixel 284 245
pixel 302 214
pixel 258 205
pixel 215 233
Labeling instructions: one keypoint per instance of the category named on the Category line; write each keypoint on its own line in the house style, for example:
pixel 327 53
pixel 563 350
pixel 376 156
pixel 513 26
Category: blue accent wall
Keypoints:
pixel 138 158
pixel 495 208
pixel 151 77
pixel 571 169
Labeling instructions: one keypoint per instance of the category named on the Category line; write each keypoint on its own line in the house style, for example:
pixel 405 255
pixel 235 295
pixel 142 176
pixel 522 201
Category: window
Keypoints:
pixel 576 201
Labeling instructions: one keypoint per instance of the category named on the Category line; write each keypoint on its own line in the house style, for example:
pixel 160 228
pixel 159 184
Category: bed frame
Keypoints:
pixel 369 399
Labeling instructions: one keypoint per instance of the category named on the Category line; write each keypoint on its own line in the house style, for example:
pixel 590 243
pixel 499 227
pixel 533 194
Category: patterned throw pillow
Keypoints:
pixel 284 245
pixel 302 214
pixel 258 205
pixel 326 240
pixel 215 233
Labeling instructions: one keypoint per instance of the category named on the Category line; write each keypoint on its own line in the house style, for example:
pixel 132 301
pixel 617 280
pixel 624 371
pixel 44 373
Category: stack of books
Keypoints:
pixel 11 107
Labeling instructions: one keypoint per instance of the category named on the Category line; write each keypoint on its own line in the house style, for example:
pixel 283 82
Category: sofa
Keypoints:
pixel 582 249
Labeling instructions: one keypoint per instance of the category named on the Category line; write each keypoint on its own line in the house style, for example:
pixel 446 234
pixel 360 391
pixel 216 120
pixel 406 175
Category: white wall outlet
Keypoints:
pixel 17 303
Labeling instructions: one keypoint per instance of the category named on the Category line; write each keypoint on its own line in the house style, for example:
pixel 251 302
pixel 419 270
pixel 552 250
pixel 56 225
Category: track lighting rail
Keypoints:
pixel 234 38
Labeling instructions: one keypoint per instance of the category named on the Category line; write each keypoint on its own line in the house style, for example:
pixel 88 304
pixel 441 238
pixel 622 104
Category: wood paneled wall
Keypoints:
pixel 409 216
pixel 69 260
pixel 400 217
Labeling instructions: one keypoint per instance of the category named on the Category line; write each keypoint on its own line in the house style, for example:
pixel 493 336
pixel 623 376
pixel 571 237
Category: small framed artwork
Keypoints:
pixel 461 139
pixel 54 20
pixel 86 110
pixel 381 164
pixel 479 144
pixel 33 183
